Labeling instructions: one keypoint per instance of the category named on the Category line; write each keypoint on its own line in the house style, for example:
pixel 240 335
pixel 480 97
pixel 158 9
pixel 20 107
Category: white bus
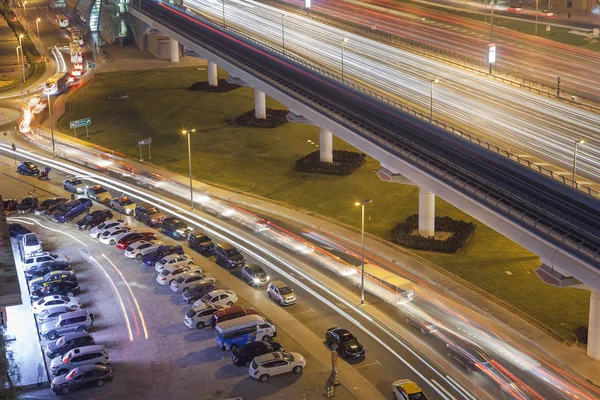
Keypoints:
pixel 237 332
pixel 401 287
pixel 57 84
pixel 62 20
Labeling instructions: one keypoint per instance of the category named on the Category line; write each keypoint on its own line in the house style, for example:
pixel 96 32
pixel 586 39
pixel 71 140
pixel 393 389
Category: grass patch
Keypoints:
pixel 261 161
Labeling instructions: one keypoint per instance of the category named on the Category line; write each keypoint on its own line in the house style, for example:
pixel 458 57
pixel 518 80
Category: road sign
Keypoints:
pixel 144 141
pixel 80 123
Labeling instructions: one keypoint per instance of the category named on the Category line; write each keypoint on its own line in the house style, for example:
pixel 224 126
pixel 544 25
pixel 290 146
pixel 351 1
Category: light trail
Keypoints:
pixel 33 221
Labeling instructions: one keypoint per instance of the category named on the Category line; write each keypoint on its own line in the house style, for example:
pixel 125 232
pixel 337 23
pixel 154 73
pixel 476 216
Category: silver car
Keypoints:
pixel 139 249
pixel 94 354
pixel 189 279
pixel 97 230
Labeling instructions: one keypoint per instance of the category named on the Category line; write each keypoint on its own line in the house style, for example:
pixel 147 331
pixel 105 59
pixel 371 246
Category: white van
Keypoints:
pixel 29 244
pixel 36 259
pixel 235 333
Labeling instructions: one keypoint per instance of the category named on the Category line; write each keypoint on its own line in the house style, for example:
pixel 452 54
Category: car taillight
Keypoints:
pixel 65 359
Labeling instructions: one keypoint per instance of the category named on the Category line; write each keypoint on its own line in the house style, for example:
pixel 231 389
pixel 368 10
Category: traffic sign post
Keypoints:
pixel 14 153
pixel 143 142
pixel 85 122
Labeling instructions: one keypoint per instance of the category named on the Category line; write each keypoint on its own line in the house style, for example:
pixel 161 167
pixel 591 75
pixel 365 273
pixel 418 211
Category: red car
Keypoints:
pixel 134 237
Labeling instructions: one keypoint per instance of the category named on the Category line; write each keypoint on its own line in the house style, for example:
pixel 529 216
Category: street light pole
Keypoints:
pixel 536 16
pixel 492 23
pixel 21 36
pixel 223 12
pixel 344 40
pixel 362 257
pixel 436 80
pixel 283 31
pixel 37 24
pixel 51 126
pixel 188 133
pixel 577 143
pixel 19 71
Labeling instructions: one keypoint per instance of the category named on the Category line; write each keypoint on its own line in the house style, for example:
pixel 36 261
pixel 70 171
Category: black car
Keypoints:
pixel 419 323
pixel 175 228
pixel 68 342
pixel 10 205
pixel 197 291
pixel 148 214
pixel 245 354
pixel 51 278
pixel 44 268
pixel 472 357
pixel 228 256
pixel 48 206
pixel 201 243
pixel 17 230
pixel 151 258
pixel 27 204
pixel 66 288
pixel 345 343
pixel 93 219
pixel 28 168
pixel 80 377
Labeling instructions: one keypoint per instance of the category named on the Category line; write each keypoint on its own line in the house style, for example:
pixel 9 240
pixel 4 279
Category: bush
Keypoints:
pixel 11 19
pixel 274 119
pixel 222 87
pixel 402 234
pixel 344 163
pixel 581 332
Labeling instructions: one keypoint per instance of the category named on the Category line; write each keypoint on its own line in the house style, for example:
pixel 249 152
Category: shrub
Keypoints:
pixel 344 163
pixel 402 234
pixel 274 119
pixel 581 332
pixel 222 87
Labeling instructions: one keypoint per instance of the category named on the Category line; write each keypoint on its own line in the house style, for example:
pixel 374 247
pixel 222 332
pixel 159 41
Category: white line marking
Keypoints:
pixel 303 312
pixel 367 365
pixel 436 383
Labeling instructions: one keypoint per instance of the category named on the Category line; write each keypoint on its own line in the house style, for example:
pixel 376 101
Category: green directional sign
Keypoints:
pixel 80 123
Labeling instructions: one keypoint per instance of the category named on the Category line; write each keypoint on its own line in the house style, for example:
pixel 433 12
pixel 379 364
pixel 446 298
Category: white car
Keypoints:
pixel 219 297
pixel 97 193
pixel 123 204
pixel 52 312
pixel 111 235
pixel 170 273
pixel 139 249
pixel 193 277
pixel 199 317
pixel 276 363
pixel 281 293
pixel 56 300
pixel 173 260
pixel 97 230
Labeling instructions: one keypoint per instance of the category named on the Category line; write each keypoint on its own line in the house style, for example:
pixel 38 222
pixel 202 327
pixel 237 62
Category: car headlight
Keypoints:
pixel 256 280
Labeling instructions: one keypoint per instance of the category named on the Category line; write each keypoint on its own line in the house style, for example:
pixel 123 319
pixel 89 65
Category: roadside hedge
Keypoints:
pixel 402 234
pixel 11 19
pixel 344 163
pixel 581 332
pixel 222 87
pixel 274 119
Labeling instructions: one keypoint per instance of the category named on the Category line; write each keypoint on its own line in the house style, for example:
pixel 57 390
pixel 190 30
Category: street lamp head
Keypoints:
pixel 21 36
pixel 436 80
pixel 581 141
pixel 186 131
pixel 38 19
pixel 345 39
pixel 362 203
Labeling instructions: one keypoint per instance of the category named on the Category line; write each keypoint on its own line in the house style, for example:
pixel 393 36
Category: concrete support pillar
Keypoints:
pixel 174 45
pixel 326 145
pixel 260 104
pixel 213 79
pixel 593 345
pixel 426 212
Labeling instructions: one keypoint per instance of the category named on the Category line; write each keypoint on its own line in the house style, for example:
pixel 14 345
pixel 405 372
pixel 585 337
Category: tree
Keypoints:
pixel 10 373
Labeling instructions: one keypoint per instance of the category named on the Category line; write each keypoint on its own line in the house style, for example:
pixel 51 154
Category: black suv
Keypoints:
pixel 228 256
pixel 245 354
pixel 469 355
pixel 66 288
pixel 175 228
pixel 148 214
pixel 93 219
pixel 346 343
pixel 68 342
pixel 201 243
pixel 44 268
pixel 48 206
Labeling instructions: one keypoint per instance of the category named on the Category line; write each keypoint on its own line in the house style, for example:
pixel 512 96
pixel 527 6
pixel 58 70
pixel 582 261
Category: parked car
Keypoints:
pixel 111 223
pixel 139 249
pixel 176 228
pixel 197 291
pixel 472 357
pixel 404 389
pixel 97 193
pixel 245 354
pixel 190 278
pixel 61 288
pixel 424 326
pixel 86 375
pixel 93 219
pixel 281 293
pixel 255 275
pixel 267 365
pixel 71 209
pixel 199 317
pixel 220 297
pixel 230 313
pixel 112 235
pixel 10 206
pixel 75 321
pixel 151 258
pixel 133 237
pixel 173 260
pixel 170 273
pixel 74 185
pixel 52 313
pixel 345 343
pixel 86 355
pixel 228 256
pixel 123 204
pixel 68 342
pixel 43 269
pixel 201 243
pixel 17 230
pixel 49 205
pixel 55 300
pixel 50 278
pixel 30 244
pixel 148 214
pixel 27 204
pixel 38 259
pixel 28 168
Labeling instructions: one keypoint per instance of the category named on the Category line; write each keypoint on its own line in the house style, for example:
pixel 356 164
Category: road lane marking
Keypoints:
pixel 367 365
pixel 303 312
pixel 442 389
pixel 460 386
pixel 21 219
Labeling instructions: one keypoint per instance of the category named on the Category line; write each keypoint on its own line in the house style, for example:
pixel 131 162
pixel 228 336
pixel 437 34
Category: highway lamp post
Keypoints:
pixel 362 254
pixel 223 12
pixel 51 126
pixel 19 71
pixel 436 80
pixel 536 16
pixel 188 133
pixel 37 24
pixel 577 143
pixel 21 36
pixel 491 31
pixel 344 40
pixel 283 31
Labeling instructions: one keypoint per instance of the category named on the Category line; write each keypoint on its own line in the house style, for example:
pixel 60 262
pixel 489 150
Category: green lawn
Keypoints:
pixel 260 161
